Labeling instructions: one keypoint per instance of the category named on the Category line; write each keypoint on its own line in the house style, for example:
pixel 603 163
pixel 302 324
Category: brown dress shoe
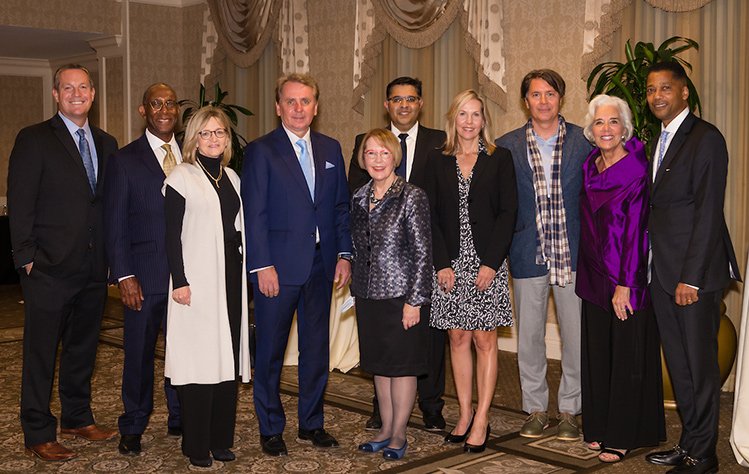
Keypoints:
pixel 90 432
pixel 52 451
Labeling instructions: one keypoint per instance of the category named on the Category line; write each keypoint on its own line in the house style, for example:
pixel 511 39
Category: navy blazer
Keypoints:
pixel 392 245
pixel 280 215
pixel 135 226
pixel 55 218
pixel 687 227
pixel 575 150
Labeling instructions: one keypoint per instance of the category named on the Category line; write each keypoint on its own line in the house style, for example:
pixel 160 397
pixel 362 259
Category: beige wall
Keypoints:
pixel 27 92
pixel 97 16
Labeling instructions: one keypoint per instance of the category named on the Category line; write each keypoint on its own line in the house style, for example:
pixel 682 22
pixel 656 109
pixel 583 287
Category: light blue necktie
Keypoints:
pixel 664 137
pixel 88 163
pixel 305 160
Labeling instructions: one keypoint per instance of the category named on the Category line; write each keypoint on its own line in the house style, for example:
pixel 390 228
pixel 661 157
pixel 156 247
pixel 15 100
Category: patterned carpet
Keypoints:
pixel 347 407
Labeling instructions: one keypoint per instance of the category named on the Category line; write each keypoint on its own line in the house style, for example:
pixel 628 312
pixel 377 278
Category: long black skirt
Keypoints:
pixel 386 348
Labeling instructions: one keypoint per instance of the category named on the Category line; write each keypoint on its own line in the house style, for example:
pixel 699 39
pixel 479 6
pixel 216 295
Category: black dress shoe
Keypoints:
pixel 273 445
pixel 224 455
pixel 201 462
pixel 672 457
pixel 473 448
pixel 458 439
pixel 319 437
pixel 691 465
pixel 129 444
pixel 174 431
pixel 434 421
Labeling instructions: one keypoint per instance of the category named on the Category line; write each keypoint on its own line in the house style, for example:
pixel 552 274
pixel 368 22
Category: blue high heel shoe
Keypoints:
pixel 373 446
pixel 390 453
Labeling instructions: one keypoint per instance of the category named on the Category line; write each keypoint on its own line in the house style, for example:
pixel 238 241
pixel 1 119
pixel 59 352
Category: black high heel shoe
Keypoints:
pixel 458 439
pixel 472 448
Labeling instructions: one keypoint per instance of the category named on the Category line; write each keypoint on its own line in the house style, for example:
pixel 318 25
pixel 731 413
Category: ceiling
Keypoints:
pixel 38 43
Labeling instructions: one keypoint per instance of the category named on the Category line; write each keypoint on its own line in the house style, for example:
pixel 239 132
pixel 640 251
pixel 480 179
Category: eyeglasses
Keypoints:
pixel 206 134
pixel 399 100
pixel 157 105
pixel 384 154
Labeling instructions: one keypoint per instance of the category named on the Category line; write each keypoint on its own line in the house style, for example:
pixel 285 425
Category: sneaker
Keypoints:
pixel 535 425
pixel 567 429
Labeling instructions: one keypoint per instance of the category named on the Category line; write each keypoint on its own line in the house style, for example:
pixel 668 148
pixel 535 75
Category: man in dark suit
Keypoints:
pixel 692 262
pixel 548 153
pixel 55 209
pixel 296 207
pixel 403 103
pixel 136 248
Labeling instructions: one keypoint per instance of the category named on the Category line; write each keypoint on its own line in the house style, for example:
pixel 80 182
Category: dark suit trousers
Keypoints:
pixel 139 340
pixel 66 311
pixel 689 335
pixel 273 317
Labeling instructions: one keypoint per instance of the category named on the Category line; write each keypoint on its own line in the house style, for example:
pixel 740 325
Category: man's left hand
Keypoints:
pixel 342 273
pixel 685 295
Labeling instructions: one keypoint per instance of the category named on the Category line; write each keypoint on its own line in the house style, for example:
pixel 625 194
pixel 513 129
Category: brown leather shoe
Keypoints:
pixel 90 432
pixel 52 451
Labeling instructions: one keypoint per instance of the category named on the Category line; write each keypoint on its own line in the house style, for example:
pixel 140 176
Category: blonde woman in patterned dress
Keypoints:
pixel 473 199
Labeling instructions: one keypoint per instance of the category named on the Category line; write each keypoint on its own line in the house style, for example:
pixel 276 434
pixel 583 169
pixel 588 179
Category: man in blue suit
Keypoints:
pixel 135 238
pixel 296 206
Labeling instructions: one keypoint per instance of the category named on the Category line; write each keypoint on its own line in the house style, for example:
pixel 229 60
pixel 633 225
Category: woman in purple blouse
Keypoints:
pixel 621 366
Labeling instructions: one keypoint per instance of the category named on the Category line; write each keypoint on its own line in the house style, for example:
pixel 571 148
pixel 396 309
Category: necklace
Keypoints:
pixel 376 201
pixel 220 173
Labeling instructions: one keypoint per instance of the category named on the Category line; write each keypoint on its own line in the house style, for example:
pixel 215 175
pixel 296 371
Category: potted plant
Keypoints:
pixel 238 142
pixel 629 81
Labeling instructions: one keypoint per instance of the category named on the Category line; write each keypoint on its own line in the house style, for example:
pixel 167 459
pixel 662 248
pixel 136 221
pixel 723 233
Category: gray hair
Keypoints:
pixel 624 113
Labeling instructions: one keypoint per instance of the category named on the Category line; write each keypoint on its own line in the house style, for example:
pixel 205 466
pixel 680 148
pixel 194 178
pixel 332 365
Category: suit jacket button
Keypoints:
pixel 312 234
pixel 90 246
pixel 367 233
pixel 368 263
pixel 369 247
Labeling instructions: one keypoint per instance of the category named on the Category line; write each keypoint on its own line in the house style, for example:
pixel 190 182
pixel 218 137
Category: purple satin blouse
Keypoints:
pixel 613 229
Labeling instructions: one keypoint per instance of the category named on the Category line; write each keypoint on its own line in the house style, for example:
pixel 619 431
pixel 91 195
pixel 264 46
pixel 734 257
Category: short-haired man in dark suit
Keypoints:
pixel 692 262
pixel 548 153
pixel 403 102
pixel 55 210
pixel 135 230
pixel 296 208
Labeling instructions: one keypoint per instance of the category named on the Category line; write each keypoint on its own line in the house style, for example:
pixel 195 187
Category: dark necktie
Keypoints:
pixel 401 171
pixel 88 162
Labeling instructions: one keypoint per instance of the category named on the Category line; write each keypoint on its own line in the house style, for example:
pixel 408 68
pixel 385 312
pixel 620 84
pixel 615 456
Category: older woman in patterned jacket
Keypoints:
pixel 392 279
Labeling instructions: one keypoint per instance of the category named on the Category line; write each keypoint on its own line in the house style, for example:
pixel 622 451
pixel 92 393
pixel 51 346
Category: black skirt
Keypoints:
pixel 386 348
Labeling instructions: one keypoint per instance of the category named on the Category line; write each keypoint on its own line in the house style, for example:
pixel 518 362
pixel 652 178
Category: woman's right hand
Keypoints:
pixel 182 295
pixel 446 279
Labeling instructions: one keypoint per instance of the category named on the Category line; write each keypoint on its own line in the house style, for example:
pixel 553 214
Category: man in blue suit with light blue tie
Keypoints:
pixel 296 209
pixel 135 230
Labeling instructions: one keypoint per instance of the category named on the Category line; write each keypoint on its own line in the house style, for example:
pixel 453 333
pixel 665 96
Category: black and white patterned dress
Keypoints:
pixel 465 307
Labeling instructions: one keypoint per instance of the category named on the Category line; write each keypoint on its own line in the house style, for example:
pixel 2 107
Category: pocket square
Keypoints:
pixel 329 165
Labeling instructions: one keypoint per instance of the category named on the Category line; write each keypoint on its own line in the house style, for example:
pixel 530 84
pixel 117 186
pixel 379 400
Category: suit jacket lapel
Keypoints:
pixel 673 148
pixel 62 133
pixel 149 159
pixel 482 161
pixel 318 157
pixel 420 153
pixel 522 155
pixel 287 154
pixel 451 173
pixel 100 156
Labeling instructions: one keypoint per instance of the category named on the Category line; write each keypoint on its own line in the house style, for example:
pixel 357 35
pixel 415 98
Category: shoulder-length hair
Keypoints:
pixel 385 138
pixel 196 124
pixel 624 113
pixel 451 145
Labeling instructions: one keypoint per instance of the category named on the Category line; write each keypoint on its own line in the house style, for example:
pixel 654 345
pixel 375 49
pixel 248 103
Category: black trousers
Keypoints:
pixel 208 412
pixel 689 335
pixel 622 387
pixel 66 311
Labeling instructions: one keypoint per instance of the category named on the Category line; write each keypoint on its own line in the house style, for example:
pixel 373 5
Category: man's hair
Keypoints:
pixel 550 76
pixel 67 67
pixel 676 69
pixel 305 79
pixel 157 84
pixel 404 81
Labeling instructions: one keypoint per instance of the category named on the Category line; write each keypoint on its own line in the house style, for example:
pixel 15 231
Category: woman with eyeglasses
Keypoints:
pixel 474 203
pixel 392 266
pixel 207 345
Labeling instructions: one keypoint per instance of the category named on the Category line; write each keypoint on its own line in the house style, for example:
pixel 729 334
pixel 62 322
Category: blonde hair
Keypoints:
pixel 196 124
pixel 451 145
pixel 385 138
